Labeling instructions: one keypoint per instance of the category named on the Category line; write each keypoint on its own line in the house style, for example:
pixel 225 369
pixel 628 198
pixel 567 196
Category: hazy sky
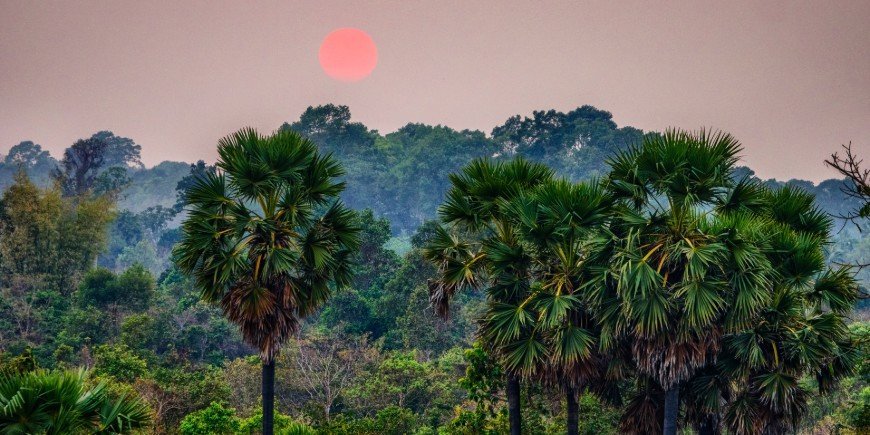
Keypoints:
pixel 790 79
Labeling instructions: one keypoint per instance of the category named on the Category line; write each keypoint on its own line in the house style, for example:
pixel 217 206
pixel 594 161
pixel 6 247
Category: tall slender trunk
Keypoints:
pixel 672 408
pixel 269 398
pixel 513 397
pixel 573 411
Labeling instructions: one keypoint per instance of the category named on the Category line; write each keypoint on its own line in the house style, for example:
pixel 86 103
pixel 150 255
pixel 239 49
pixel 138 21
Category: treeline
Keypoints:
pixel 401 175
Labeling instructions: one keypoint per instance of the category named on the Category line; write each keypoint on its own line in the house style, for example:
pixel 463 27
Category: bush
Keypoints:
pixel 220 419
pixel 119 362
pixel 858 413
pixel 216 419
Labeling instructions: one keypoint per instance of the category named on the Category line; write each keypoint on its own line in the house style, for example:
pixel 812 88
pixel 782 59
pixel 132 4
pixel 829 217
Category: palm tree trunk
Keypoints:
pixel 573 411
pixel 672 408
pixel 268 398
pixel 513 397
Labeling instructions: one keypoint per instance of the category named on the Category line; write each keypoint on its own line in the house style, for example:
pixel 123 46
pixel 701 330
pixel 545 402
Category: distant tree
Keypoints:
pixel 80 167
pixel 255 246
pixel 198 170
pixel 111 182
pixel 575 143
pixel 353 145
pixel 31 158
pixel 374 264
pixel 424 234
pixel 132 290
pixel 330 127
pixel 27 154
pixel 120 151
pixel 857 184
pixel 48 238
pixel 425 156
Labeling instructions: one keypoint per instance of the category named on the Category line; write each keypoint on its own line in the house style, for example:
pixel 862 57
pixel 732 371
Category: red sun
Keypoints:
pixel 348 54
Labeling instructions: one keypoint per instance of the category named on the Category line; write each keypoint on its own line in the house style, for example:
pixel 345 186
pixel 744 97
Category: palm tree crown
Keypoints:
pixel 266 237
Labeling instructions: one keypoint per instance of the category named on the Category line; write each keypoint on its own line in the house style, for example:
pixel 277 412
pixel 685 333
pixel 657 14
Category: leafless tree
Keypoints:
pixel 857 183
pixel 328 365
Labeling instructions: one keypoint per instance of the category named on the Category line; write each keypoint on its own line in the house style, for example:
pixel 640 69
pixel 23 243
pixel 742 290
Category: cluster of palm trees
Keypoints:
pixel 702 298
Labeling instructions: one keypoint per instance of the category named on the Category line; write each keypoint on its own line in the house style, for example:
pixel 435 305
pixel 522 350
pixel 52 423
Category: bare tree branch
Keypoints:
pixel 856 185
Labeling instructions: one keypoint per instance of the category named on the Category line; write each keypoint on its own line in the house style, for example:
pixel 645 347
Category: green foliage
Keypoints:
pixel 597 418
pixel 60 403
pixel 119 362
pixel 392 420
pixel 219 419
pixel 18 364
pixel 857 413
pixel 46 243
pixel 216 419
pixel 483 379
pixel 283 425
pixel 30 158
pixel 138 331
pixel 132 290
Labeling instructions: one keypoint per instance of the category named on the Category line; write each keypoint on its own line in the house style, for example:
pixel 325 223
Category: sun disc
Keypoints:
pixel 348 54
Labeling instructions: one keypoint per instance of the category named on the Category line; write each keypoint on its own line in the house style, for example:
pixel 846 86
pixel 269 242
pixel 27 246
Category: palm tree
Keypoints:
pixel 60 403
pixel 266 239
pixel 801 330
pixel 560 226
pixel 527 238
pixel 722 289
pixel 682 273
pixel 482 249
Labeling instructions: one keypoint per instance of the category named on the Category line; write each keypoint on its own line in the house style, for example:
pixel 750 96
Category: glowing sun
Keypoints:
pixel 348 54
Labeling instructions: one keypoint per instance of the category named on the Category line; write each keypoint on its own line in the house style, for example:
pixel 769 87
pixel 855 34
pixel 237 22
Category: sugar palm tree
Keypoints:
pixel 553 335
pixel 482 249
pixel 61 403
pixel 682 274
pixel 801 330
pixel 267 240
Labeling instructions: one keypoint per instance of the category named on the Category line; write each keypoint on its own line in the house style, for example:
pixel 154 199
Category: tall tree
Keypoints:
pixel 30 157
pixel 801 330
pixel 701 265
pixel 677 278
pixel 482 250
pixel 267 240
pixel 554 333
pixel 80 166
pixel 120 151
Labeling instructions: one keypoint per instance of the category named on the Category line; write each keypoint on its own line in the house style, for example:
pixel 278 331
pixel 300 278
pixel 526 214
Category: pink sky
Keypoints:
pixel 790 79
